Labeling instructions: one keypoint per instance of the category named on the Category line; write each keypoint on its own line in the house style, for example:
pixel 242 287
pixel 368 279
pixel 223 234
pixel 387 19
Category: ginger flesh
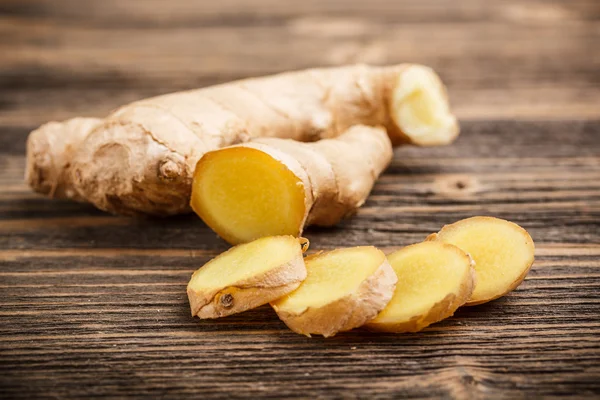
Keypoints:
pixel 247 276
pixel 502 250
pixel 243 194
pixel 434 279
pixel 323 284
pixel 344 288
pixel 420 106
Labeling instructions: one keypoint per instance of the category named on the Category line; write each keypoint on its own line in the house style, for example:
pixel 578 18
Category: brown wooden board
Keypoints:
pixel 93 305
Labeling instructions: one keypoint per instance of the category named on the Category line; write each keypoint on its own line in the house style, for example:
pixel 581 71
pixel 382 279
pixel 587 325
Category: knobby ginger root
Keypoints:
pixel 275 186
pixel 247 276
pixel 344 289
pixel 502 250
pixel 140 159
pixel 50 151
pixel 434 279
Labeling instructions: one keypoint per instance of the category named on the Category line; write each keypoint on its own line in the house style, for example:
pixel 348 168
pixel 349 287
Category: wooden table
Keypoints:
pixel 93 305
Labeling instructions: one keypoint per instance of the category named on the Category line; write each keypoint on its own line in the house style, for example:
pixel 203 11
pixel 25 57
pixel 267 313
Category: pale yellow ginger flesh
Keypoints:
pixel 140 159
pixel 277 186
pixel 434 279
pixel 420 108
pixel 344 289
pixel 502 250
pixel 244 194
pixel 247 276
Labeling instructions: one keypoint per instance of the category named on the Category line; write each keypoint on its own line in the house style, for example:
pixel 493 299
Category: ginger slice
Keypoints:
pixel 434 279
pixel 277 186
pixel 247 276
pixel 502 250
pixel 344 289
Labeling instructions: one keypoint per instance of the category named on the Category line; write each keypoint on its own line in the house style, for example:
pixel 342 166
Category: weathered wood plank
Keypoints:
pixel 239 12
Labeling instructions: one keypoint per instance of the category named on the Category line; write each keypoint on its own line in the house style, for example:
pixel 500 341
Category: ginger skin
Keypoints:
pixel 140 159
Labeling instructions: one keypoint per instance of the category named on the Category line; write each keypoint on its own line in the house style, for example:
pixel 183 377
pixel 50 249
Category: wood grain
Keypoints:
pixel 93 305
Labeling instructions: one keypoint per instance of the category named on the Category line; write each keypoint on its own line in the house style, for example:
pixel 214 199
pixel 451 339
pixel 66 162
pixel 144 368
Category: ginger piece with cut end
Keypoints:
pixel 247 276
pixel 434 279
pixel 344 289
pixel 276 186
pixel 502 250
pixel 140 159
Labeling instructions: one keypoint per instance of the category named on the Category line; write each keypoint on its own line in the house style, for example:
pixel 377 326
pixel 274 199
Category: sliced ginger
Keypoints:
pixel 502 250
pixel 344 289
pixel 434 279
pixel 247 276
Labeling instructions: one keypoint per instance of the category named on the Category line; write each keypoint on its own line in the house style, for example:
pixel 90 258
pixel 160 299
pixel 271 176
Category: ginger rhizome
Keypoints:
pixel 247 276
pixel 275 186
pixel 502 250
pixel 140 159
pixel 344 289
pixel 434 280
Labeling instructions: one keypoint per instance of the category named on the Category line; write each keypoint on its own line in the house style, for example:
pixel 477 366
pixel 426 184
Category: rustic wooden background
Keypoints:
pixel 93 305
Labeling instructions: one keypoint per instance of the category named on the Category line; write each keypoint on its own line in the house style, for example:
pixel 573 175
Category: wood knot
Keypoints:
pixel 460 184
pixel 226 300
pixel 455 185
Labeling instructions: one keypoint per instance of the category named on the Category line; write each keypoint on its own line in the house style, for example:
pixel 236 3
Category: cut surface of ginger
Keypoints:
pixel 344 288
pixel 502 250
pixel 244 194
pixel 247 276
pixel 434 279
pixel 420 107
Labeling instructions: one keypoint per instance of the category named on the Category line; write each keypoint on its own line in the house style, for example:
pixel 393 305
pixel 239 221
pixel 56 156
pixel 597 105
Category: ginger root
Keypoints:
pixel 344 289
pixel 502 250
pixel 434 280
pixel 140 159
pixel 276 186
pixel 247 276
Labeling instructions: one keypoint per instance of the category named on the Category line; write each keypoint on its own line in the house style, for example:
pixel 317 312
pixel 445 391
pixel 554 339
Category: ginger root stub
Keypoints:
pixel 276 186
pixel 140 159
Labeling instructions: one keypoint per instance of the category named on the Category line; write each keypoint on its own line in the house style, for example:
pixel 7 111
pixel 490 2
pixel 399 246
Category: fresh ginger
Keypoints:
pixel 344 289
pixel 140 159
pixel 434 279
pixel 502 250
pixel 247 276
pixel 275 186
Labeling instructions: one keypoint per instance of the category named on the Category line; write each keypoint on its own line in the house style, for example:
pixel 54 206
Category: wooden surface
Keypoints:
pixel 93 305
